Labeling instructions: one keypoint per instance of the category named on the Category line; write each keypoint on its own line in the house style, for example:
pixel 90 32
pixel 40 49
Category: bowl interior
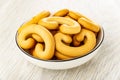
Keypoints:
pixel 100 37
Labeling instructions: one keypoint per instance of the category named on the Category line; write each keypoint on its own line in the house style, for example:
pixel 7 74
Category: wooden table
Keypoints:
pixel 104 66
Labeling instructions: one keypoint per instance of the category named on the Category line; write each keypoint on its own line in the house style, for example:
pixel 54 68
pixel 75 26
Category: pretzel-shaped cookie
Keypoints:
pixel 68 26
pixel 76 51
pixel 27 43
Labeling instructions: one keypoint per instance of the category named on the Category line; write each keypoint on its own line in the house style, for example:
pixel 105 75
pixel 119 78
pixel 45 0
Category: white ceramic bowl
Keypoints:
pixel 64 64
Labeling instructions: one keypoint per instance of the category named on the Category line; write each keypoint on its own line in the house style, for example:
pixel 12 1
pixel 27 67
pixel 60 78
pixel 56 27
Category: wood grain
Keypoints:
pixel 104 66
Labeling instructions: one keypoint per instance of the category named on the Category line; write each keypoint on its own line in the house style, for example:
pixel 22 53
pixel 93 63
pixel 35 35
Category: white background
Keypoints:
pixel 104 66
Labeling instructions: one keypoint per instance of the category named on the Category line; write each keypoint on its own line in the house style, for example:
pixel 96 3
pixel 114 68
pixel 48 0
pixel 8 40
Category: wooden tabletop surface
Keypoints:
pixel 104 66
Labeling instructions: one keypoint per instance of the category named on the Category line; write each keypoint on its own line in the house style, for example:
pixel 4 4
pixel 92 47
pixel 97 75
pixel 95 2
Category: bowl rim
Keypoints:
pixel 95 48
